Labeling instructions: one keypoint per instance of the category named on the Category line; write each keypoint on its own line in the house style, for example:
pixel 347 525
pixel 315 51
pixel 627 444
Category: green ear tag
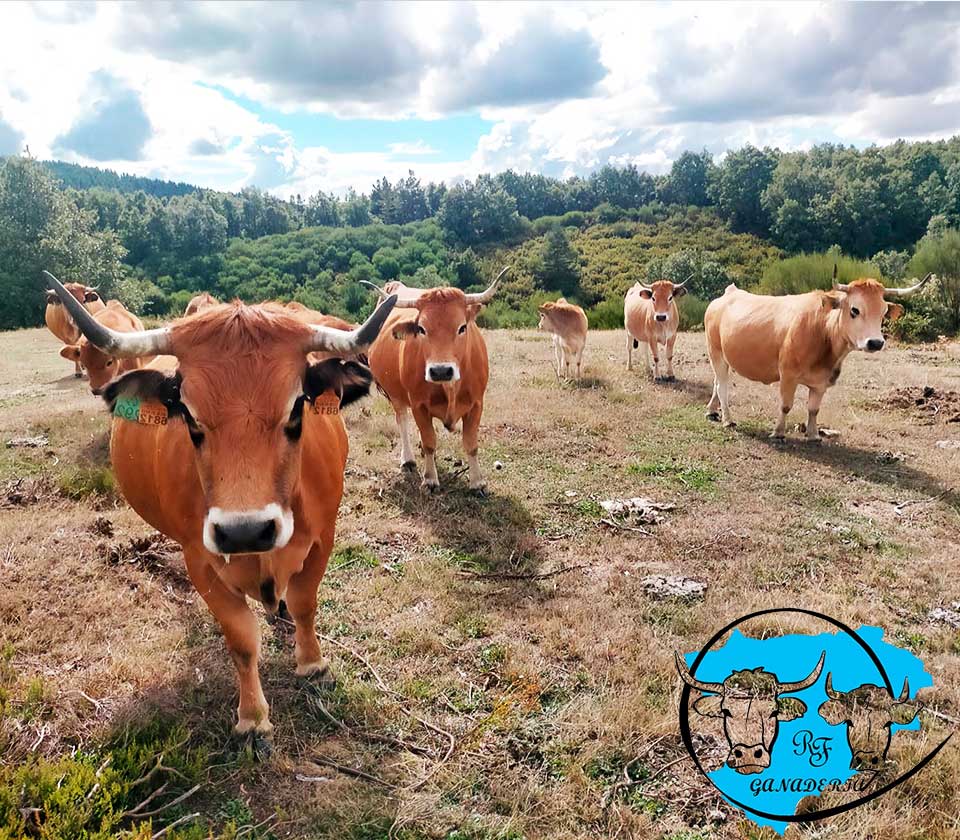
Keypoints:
pixel 128 408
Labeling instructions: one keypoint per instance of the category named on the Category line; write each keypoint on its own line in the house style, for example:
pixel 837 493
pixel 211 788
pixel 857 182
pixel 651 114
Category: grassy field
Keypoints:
pixel 503 672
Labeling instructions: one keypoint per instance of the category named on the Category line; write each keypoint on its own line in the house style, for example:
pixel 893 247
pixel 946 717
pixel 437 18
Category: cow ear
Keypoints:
pixel 710 705
pixel 679 292
pixel 790 708
pixel 348 380
pixel 145 384
pixel 403 330
pixel 833 300
pixel 894 311
pixel 52 299
pixel 646 294
pixel 473 310
pixel 904 713
pixel 90 296
pixel 71 352
pixel 833 712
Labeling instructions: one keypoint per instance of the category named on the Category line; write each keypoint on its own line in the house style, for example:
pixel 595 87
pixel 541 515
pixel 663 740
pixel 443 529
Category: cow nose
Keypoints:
pixel 874 344
pixel 245 536
pixel 660 316
pixel 440 373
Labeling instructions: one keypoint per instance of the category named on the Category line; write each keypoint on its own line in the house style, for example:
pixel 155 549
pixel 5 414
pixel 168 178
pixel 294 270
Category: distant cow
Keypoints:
pixel 239 456
pixel 868 711
pixel 794 340
pixel 751 703
pixel 102 367
pixel 199 303
pixel 61 323
pixel 432 362
pixel 568 325
pixel 651 317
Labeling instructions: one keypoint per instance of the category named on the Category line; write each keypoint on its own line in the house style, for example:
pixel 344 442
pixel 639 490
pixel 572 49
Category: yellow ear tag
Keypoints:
pixel 327 403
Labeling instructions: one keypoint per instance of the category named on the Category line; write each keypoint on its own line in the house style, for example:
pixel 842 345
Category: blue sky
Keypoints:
pixel 296 98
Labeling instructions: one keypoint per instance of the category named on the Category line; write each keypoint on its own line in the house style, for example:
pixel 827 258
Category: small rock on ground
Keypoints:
pixel 673 586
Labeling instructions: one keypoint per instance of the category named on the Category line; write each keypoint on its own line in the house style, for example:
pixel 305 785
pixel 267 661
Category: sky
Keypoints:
pixel 295 98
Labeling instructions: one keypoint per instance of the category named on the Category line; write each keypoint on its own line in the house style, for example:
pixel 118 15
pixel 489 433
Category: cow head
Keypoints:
pixel 442 319
pixel 663 293
pixel 100 367
pixel 200 302
pixel 240 388
pixel 752 704
pixel 868 711
pixel 87 295
pixel 862 309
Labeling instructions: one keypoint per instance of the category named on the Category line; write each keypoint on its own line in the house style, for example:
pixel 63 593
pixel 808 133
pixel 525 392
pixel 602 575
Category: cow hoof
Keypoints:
pixel 778 436
pixel 670 378
pixel 429 486
pixel 480 491
pixel 729 424
pixel 409 466
pixel 78 376
pixel 713 416
pixel 319 679
pixel 258 744
pixel 817 441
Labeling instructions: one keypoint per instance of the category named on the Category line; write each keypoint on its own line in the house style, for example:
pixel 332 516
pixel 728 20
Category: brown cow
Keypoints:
pixel 200 303
pixel 59 321
pixel 434 364
pixel 101 367
pixel 568 325
pixel 651 317
pixel 239 457
pixel 794 340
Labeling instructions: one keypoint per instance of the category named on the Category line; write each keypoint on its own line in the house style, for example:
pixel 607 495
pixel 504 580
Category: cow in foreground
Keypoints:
pixel 200 303
pixel 61 323
pixel 794 340
pixel 431 361
pixel 239 456
pixel 868 711
pixel 752 703
pixel 101 367
pixel 568 325
pixel 652 319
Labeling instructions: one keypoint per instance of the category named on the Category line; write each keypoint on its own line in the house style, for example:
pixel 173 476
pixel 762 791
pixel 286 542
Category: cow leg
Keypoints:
pixel 713 412
pixel 788 388
pixel 813 407
pixel 408 460
pixel 557 356
pixel 428 443
pixel 302 602
pixel 579 360
pixel 656 359
pixel 471 426
pixel 77 370
pixel 629 351
pixel 670 342
pixel 721 371
pixel 242 635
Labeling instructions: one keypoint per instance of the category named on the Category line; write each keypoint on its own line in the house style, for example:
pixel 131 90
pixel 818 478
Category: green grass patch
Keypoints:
pixel 692 476
pixel 353 556
pixel 82 482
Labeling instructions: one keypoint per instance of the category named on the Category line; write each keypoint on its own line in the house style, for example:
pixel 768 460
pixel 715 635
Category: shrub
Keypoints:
pixel 692 309
pixel 806 272
pixel 926 318
pixel 606 315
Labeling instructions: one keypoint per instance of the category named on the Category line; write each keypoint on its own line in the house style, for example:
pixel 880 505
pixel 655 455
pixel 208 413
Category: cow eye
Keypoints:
pixel 421 330
pixel 293 428
pixel 462 330
pixel 854 312
pixel 196 433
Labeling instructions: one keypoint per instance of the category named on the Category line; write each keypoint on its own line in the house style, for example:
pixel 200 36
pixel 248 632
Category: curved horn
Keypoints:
pixel 905 691
pixel 376 288
pixel 909 290
pixel 121 345
pixel 644 287
pixel 693 682
pixel 812 677
pixel 485 296
pixel 330 340
pixel 833 695
pixel 683 285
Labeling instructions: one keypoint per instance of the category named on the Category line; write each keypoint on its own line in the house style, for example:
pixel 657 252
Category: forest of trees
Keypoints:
pixel 154 243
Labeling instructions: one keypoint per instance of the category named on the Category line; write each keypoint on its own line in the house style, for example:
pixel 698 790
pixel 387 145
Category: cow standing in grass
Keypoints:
pixel 651 317
pixel 239 456
pixel 431 361
pixel 568 325
pixel 102 367
pixel 61 323
pixel 794 340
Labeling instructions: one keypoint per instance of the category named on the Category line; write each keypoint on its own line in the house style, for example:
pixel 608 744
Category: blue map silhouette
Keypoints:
pixel 792 658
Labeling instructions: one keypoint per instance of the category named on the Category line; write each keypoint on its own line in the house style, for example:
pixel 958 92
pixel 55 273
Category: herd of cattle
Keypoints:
pixel 227 437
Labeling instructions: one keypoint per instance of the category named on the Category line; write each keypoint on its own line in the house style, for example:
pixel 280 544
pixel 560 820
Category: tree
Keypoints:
pixel 737 188
pixel 626 187
pixel 559 268
pixel 687 183
pixel 940 254
pixel 479 212
pixel 321 210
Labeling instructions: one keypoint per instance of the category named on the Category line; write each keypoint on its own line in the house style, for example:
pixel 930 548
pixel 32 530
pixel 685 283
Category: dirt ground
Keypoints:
pixel 503 671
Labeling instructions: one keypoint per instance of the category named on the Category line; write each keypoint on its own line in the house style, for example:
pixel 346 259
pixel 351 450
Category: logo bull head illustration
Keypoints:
pixel 868 711
pixel 751 703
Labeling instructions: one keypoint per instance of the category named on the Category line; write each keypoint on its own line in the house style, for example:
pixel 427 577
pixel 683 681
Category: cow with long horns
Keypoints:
pixel 795 340
pixel 239 456
pixel 431 361
pixel 651 317
pixel 751 703
pixel 868 711
pixel 61 323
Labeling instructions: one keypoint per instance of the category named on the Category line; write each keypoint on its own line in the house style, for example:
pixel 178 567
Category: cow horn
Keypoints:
pixel 682 285
pixel 693 682
pixel 812 677
pixel 330 340
pixel 828 687
pixel 487 295
pixel 644 287
pixel 376 288
pixel 121 345
pixel 905 691
pixel 909 290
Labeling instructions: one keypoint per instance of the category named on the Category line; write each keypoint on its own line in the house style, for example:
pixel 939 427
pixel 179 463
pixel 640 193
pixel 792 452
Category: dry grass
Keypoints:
pixel 516 625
